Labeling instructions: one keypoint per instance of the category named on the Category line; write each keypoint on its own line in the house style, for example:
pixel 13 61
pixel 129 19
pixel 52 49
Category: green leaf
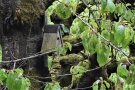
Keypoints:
pixel 93 23
pixel 85 63
pixel 126 50
pixel 108 5
pixel 132 68
pixel 107 84
pixel 102 87
pixel 52 86
pixel 49 62
pixel 74 29
pixel 106 34
pixel 62 11
pixel 3 76
pixel 56 86
pixel 128 15
pixel 78 70
pixel 120 9
pixel 82 27
pixel 85 39
pixel 68 45
pixel 112 37
pixel 92 43
pixel 10 81
pixel 103 5
pixel 126 87
pixel 102 54
pixel 61 51
pixel 127 37
pixel 72 4
pixel 119 33
pixel 19 72
pixel 113 77
pixel 64 28
pixel 122 71
pixel 16 82
pixel 95 85
pixel 131 76
pixel 21 84
pixel 132 87
pixel 48 86
pixel 25 84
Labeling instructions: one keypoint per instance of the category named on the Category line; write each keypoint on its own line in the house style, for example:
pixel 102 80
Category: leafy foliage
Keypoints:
pixel 64 14
pixel 103 85
pixel 52 86
pixel 99 34
pixel 108 38
pixel 14 80
pixel 102 54
pixel 79 70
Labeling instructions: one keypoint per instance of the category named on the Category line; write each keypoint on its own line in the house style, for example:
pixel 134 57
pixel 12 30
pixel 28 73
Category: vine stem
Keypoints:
pixel 29 57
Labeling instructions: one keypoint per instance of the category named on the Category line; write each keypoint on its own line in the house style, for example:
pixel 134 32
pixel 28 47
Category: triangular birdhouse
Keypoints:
pixel 52 38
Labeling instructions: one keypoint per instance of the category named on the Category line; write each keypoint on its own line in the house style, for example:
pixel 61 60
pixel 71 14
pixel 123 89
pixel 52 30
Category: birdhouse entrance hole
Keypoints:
pixel 52 38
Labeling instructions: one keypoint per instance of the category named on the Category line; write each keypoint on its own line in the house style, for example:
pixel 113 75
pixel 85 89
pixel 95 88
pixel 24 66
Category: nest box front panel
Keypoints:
pixel 52 38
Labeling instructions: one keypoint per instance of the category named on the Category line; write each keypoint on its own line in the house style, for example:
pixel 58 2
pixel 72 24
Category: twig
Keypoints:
pixel 14 65
pixel 63 75
pixel 29 57
pixel 33 56
pixel 35 80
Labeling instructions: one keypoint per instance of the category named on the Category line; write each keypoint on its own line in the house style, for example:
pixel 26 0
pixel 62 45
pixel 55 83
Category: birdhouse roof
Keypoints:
pixel 52 28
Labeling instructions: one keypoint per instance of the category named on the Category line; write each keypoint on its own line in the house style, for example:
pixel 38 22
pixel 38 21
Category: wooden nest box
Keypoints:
pixel 52 38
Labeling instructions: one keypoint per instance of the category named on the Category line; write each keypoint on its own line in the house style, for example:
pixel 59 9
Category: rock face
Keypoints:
pixel 24 10
pixel 21 24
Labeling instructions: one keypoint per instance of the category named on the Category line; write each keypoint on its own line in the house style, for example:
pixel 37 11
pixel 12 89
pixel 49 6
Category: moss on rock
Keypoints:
pixel 27 10
pixel 71 39
pixel 71 59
